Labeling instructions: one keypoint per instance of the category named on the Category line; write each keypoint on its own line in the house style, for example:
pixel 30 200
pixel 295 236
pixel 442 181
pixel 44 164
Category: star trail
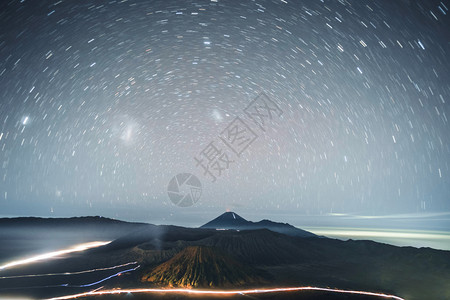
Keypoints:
pixel 103 102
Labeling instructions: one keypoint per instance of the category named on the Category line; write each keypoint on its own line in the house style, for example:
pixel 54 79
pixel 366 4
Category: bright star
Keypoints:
pixel 25 120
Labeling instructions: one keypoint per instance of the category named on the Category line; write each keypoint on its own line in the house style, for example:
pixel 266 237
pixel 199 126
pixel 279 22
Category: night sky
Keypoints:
pixel 103 102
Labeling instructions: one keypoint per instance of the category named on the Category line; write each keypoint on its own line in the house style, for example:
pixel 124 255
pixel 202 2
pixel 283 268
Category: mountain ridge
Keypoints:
pixel 412 273
pixel 233 221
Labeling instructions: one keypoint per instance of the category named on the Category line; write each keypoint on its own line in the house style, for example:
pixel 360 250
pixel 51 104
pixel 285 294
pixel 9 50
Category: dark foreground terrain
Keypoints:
pixel 304 295
pixel 150 256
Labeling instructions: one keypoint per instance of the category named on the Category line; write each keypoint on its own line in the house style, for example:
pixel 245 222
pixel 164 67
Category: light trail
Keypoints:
pixel 69 273
pixel 76 248
pixel 224 292
pixel 104 279
pixel 98 292
pixel 76 286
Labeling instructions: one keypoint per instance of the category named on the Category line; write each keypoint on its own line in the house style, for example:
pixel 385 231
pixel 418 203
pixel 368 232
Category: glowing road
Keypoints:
pixel 104 279
pixel 50 255
pixel 74 273
pixel 69 273
pixel 224 292
pixel 99 291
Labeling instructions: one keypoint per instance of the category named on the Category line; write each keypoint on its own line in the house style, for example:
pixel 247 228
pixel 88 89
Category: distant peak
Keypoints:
pixel 231 220
pixel 231 215
pixel 227 220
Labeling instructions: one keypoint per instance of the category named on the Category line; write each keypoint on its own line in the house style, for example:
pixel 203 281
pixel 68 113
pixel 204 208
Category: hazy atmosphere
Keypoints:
pixel 102 103
pixel 224 149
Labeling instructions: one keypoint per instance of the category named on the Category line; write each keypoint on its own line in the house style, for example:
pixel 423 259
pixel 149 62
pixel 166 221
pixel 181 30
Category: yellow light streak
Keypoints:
pixel 50 255
pixel 224 292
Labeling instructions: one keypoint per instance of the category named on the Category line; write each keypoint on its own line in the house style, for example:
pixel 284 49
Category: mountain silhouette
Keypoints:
pixel 231 220
pixel 201 266
pixel 256 254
